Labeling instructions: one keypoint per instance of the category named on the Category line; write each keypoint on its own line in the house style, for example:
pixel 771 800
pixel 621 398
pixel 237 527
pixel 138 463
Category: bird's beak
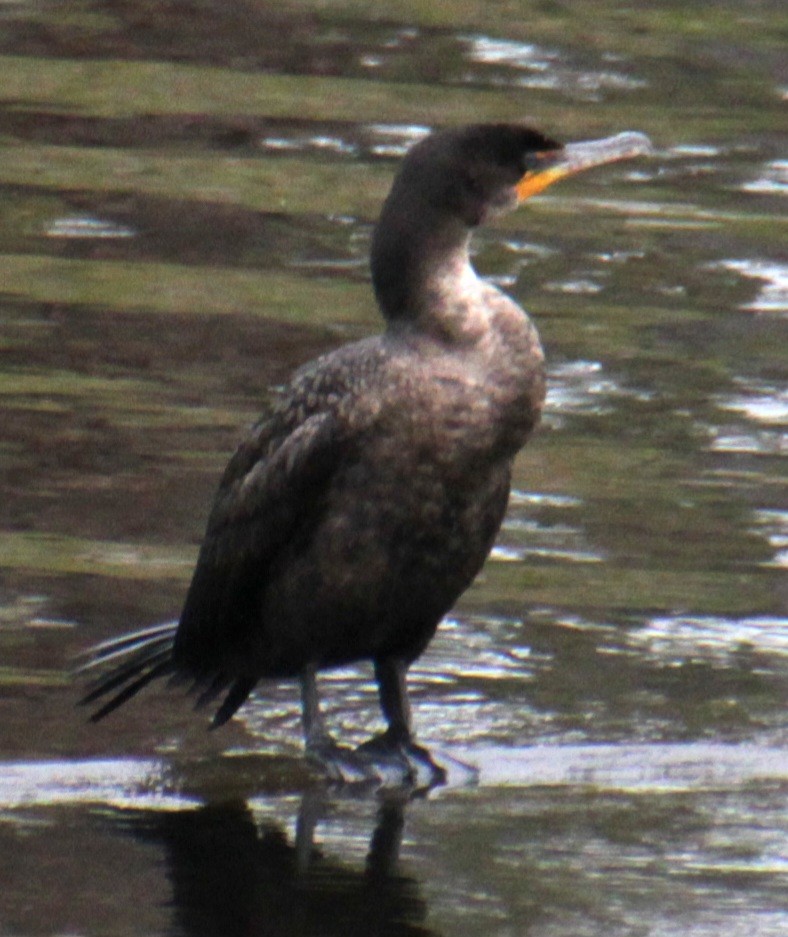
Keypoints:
pixel 553 165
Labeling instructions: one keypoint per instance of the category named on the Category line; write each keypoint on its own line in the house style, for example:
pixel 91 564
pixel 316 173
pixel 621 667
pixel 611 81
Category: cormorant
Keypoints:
pixel 352 517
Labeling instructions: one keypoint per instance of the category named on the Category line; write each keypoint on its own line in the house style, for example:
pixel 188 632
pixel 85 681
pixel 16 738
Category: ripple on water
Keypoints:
pixel 709 636
pixel 523 537
pixel 772 179
pixel 773 295
pixel 125 782
pixel 87 227
pixel 542 499
pixel 619 257
pixel 764 406
pixel 518 55
pixel 356 142
pixel 772 525
pixel 527 250
pixel 693 150
pixel 580 387
pixel 394 140
pixel 508 63
pixel 321 142
pixel 556 542
pixel 579 286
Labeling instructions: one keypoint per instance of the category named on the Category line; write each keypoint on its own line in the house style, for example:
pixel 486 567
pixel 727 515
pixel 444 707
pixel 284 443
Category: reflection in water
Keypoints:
pixel 231 876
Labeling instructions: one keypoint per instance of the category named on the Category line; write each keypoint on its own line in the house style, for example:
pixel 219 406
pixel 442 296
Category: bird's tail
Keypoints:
pixel 121 667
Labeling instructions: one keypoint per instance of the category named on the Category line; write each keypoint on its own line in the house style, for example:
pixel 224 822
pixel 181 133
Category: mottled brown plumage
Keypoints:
pixel 351 519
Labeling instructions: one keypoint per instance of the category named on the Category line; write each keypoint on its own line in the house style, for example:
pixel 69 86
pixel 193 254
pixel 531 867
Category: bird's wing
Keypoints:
pixel 260 493
pixel 274 487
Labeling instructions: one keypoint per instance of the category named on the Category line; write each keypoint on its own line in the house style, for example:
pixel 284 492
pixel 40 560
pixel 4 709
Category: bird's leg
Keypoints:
pixel 396 745
pixel 391 759
pixel 337 763
pixel 393 691
pixel 312 719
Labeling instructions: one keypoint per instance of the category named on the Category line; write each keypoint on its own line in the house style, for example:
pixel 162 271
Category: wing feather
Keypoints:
pixel 274 487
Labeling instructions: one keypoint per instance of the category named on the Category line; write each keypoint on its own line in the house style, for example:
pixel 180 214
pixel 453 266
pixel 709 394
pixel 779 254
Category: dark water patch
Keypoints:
pixel 237 134
pixel 244 38
pixel 286 184
pixel 134 226
pixel 734 344
pixel 163 290
pixel 106 344
pixel 310 41
pixel 232 134
pixel 239 35
pixel 92 398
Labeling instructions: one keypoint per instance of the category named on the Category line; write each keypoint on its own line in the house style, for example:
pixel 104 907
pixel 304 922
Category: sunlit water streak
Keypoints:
pixel 773 526
pixel 657 768
pixel 773 179
pixel 704 636
pixel 506 63
pixel 121 783
pixel 87 226
pixel 773 295
pixel 357 142
pixel 582 387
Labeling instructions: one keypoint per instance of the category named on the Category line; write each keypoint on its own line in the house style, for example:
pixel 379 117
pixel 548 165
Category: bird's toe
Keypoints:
pixel 401 763
pixel 338 764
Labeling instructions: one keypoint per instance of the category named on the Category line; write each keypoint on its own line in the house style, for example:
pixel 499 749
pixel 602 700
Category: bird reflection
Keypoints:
pixel 232 875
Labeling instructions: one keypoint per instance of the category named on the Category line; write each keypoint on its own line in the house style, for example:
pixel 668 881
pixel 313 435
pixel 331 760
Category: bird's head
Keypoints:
pixel 482 170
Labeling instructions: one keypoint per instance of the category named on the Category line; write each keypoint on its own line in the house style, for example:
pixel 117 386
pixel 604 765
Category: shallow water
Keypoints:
pixel 186 200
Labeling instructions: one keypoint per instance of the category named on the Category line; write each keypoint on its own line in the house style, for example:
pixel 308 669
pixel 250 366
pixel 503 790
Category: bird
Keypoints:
pixel 354 514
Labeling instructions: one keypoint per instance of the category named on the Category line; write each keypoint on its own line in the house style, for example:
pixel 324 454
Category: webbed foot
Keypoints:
pixel 401 763
pixel 380 762
pixel 337 763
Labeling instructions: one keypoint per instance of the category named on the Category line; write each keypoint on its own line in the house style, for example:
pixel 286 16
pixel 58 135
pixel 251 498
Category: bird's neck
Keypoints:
pixel 422 274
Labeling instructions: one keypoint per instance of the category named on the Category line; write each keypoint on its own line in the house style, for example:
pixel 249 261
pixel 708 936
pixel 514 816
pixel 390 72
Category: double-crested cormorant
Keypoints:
pixel 351 519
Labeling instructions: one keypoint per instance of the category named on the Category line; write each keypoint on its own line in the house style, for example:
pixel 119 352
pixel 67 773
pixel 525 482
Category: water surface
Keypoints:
pixel 186 199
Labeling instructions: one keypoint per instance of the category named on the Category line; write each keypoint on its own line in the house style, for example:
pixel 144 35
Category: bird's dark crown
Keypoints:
pixel 471 171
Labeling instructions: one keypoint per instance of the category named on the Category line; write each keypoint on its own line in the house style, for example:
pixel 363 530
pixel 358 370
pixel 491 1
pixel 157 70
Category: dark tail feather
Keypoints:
pixel 134 660
pixel 125 672
pixel 239 691
pixel 214 688
pixel 126 664
pixel 162 668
